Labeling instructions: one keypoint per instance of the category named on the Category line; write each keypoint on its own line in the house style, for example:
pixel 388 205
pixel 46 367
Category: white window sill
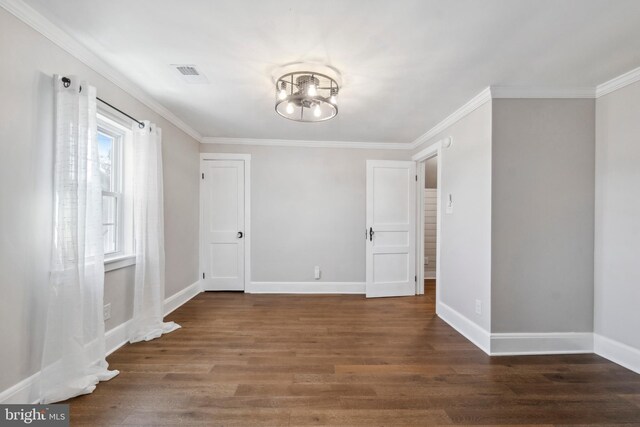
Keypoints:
pixel 117 262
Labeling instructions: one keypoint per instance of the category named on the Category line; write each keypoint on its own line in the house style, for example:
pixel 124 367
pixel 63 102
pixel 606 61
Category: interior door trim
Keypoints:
pixel 434 150
pixel 204 157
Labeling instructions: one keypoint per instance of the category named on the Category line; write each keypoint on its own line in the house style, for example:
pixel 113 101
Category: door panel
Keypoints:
pixel 223 221
pixel 391 205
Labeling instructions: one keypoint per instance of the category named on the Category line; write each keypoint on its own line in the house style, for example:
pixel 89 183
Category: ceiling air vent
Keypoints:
pixel 189 74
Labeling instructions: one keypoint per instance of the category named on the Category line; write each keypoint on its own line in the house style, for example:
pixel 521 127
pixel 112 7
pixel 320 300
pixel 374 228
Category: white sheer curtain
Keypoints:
pixel 148 219
pixel 73 359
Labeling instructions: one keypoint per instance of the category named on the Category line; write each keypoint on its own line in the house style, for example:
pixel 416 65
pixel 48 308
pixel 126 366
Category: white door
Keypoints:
pixel 391 225
pixel 223 219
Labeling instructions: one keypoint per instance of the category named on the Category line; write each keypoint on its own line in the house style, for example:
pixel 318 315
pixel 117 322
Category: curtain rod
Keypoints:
pixel 67 82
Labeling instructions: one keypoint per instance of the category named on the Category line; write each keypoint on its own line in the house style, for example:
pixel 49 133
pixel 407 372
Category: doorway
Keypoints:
pixel 428 218
pixel 430 225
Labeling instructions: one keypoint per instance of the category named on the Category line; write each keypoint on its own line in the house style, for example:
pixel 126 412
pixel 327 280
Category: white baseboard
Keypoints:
pixel 115 338
pixel 21 392
pixel 509 344
pixel 181 297
pixel 470 330
pixel 306 288
pixel 119 336
pixel 430 274
pixel 617 352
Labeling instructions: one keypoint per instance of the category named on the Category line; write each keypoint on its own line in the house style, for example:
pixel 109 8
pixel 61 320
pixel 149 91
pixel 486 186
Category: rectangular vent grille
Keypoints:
pixel 189 73
pixel 186 70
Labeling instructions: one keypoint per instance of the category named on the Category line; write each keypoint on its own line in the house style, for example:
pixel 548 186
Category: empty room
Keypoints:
pixel 290 213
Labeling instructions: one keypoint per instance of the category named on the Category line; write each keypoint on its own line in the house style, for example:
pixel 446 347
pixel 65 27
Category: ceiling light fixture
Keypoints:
pixel 306 96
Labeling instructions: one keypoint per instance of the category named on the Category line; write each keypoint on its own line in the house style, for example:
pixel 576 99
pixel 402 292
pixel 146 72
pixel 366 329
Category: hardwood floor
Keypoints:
pixel 277 360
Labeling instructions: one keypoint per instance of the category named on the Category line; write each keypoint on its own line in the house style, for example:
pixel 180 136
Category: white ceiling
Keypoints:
pixel 406 64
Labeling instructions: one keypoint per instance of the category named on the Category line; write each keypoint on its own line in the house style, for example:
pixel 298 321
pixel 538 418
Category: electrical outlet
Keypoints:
pixel 478 306
pixel 316 273
pixel 106 311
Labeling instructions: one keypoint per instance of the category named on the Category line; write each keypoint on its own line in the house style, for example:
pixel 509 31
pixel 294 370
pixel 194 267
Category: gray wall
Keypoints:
pixel 542 204
pixel 26 138
pixel 465 261
pixel 308 209
pixel 617 244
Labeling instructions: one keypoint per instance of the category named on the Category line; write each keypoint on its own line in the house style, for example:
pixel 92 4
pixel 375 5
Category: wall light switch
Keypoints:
pixel 316 273
pixel 478 306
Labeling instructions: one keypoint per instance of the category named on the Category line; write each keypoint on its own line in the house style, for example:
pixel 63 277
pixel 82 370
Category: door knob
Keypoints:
pixel 240 234
pixel 371 233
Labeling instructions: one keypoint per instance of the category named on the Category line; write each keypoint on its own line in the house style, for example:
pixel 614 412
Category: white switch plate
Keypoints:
pixel 107 311
pixel 426 260
pixel 316 273
pixel 478 306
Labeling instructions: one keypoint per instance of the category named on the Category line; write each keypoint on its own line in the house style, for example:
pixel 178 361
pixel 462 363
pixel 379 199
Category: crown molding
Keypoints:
pixel 308 143
pixel 475 102
pixel 48 29
pixel 618 82
pixel 533 92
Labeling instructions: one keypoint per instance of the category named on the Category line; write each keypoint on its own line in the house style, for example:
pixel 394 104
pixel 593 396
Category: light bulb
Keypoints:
pixel 311 90
pixel 333 100
pixel 290 108
pixel 317 111
pixel 282 94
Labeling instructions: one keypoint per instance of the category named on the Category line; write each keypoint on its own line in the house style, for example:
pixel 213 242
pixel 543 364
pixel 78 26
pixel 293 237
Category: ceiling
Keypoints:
pixel 405 64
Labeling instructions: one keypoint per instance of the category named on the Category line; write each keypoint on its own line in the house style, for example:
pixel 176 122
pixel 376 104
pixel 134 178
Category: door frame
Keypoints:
pixel 434 150
pixel 247 211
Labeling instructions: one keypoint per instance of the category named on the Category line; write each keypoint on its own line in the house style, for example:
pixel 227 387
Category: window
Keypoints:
pixel 117 213
pixel 110 151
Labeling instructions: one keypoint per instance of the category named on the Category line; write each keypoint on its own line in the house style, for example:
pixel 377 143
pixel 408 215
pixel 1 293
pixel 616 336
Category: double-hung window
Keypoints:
pixel 114 140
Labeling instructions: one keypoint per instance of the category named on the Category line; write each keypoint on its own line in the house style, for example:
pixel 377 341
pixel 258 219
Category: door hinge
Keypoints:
pixel 415 278
pixel 416 178
pixel 203 275
pixel 202 175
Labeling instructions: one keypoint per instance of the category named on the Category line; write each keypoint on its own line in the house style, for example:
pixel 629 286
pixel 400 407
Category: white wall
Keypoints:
pixel 465 259
pixel 617 219
pixel 28 63
pixel 308 209
pixel 542 209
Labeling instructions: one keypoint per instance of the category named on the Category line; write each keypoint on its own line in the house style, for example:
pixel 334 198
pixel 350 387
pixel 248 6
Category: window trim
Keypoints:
pixel 119 128
pixel 117 192
pixel 116 263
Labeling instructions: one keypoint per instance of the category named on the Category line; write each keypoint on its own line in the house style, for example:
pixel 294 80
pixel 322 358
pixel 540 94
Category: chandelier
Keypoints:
pixel 306 96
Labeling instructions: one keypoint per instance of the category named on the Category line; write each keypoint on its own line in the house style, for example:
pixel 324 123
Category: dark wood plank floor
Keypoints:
pixel 277 360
